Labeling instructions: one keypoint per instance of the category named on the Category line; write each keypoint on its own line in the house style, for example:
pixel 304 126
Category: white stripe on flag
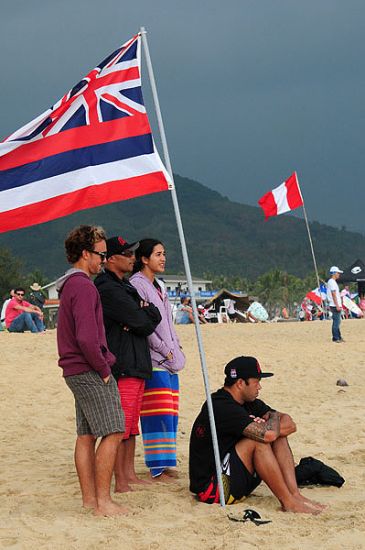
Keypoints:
pixel 80 179
pixel 280 197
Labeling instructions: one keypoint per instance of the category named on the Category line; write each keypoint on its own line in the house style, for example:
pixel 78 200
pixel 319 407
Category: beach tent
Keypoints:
pixel 355 273
pixel 242 301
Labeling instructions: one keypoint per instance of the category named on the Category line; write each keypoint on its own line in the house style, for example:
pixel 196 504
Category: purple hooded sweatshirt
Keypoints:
pixel 164 339
pixel 81 337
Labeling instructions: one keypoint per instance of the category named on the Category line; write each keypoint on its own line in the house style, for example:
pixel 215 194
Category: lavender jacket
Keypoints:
pixel 164 339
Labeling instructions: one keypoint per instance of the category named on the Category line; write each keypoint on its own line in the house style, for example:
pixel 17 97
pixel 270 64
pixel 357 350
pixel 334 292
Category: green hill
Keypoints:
pixel 223 237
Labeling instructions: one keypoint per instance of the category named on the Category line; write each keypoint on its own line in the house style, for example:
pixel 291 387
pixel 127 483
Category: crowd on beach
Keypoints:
pixel 121 357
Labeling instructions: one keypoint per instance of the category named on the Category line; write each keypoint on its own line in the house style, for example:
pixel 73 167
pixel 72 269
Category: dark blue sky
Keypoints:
pixel 250 91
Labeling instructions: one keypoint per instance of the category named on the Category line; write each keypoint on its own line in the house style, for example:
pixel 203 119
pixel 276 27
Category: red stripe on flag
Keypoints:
pixel 76 138
pixel 314 297
pixel 293 195
pixel 268 204
pixel 90 197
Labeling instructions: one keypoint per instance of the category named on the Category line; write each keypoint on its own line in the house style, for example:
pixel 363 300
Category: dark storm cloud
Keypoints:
pixel 250 91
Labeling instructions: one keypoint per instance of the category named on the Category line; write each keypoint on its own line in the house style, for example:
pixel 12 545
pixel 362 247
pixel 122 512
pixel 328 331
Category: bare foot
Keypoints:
pixel 122 488
pixel 163 478
pixel 90 504
pixel 138 481
pixel 313 503
pixel 110 508
pixel 172 472
pixel 299 507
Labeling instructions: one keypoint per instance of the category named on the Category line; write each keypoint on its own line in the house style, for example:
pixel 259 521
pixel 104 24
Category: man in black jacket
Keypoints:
pixel 128 321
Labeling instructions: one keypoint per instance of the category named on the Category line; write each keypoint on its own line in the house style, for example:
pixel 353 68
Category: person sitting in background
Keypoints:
pixel 307 310
pixel 3 309
pixel 362 302
pixel 256 313
pixel 231 310
pixel 184 314
pixel 36 297
pixel 21 315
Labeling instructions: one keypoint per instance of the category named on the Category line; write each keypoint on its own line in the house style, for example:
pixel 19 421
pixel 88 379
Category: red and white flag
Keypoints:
pixel 282 199
pixel 93 147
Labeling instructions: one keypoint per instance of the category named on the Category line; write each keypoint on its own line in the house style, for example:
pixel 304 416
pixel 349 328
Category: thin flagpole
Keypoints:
pixel 187 267
pixel 311 246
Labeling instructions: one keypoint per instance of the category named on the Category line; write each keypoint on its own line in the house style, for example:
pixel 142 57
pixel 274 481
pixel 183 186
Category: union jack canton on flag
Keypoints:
pixel 93 147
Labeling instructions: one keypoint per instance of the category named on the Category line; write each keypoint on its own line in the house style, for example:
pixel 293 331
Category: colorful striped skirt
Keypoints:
pixel 159 420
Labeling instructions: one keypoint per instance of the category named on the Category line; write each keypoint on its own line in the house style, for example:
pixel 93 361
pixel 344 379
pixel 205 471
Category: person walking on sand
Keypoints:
pixel 252 440
pixel 335 303
pixel 86 363
pixel 128 321
pixel 160 404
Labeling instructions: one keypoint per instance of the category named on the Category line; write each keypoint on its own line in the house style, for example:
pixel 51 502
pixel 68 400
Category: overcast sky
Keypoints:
pixel 249 90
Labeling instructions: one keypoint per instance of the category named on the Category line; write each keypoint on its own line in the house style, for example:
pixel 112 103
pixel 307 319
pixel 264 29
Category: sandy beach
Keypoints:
pixel 40 500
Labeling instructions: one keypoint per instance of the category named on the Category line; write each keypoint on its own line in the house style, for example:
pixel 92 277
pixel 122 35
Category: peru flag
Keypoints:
pixel 282 199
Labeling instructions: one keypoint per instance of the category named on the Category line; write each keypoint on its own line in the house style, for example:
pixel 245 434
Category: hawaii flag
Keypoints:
pixel 93 147
pixel 282 199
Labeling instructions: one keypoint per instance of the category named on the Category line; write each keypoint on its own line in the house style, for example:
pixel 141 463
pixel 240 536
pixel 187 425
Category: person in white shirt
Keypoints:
pixel 3 309
pixel 335 303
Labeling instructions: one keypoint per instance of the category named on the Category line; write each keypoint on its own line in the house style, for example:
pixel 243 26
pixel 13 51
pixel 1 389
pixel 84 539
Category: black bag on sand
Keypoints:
pixel 311 471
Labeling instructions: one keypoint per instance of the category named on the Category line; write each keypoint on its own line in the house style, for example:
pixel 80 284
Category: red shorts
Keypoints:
pixel 131 392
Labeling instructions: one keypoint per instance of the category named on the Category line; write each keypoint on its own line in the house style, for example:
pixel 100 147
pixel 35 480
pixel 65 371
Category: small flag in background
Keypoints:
pixel 282 199
pixel 318 294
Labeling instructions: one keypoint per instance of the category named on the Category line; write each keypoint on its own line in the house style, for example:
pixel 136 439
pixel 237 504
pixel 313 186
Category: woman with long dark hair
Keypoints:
pixel 160 405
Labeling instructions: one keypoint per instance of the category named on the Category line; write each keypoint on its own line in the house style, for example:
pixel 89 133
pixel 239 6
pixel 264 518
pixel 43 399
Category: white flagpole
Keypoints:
pixel 311 246
pixel 187 267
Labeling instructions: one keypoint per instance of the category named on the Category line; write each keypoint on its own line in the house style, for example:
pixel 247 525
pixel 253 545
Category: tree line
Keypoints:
pixel 275 289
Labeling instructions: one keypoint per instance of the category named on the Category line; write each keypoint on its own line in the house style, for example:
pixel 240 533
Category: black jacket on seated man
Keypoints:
pixel 127 325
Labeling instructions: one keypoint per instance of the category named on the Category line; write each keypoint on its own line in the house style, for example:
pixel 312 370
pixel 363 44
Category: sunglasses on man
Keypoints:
pixel 101 254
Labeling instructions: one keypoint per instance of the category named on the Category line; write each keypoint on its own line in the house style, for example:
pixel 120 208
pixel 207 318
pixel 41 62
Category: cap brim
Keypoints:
pixel 266 374
pixel 133 246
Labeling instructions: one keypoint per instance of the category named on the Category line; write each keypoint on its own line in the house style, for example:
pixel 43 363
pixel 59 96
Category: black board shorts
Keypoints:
pixel 238 482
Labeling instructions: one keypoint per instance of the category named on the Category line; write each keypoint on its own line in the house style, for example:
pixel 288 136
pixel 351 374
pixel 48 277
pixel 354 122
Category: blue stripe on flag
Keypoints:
pixel 76 159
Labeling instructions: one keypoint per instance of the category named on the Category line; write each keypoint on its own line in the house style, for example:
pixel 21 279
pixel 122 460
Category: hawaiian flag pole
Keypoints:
pixel 93 147
pixel 187 268
pixel 288 196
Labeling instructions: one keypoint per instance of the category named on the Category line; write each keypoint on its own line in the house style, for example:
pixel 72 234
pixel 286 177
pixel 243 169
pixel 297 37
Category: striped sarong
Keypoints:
pixel 159 420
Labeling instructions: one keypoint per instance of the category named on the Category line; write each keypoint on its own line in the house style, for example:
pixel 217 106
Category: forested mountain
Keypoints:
pixel 223 237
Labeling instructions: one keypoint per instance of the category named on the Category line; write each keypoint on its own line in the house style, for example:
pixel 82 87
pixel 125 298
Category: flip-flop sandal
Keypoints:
pixel 250 515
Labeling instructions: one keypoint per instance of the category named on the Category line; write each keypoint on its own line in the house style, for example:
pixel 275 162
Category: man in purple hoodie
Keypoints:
pixel 86 363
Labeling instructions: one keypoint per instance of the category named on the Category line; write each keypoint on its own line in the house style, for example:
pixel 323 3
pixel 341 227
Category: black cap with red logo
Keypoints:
pixel 243 367
pixel 117 245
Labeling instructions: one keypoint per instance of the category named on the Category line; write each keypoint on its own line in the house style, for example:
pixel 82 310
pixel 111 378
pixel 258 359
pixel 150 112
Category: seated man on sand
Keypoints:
pixel 252 440
pixel 20 315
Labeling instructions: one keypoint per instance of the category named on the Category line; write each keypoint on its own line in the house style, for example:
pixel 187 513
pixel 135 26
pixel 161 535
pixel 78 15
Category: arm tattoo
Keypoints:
pixel 257 430
pixel 273 422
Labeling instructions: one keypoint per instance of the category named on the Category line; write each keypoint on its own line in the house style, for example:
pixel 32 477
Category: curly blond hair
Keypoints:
pixel 82 238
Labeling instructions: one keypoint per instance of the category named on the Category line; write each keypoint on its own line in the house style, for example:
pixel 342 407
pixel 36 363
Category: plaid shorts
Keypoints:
pixel 98 408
